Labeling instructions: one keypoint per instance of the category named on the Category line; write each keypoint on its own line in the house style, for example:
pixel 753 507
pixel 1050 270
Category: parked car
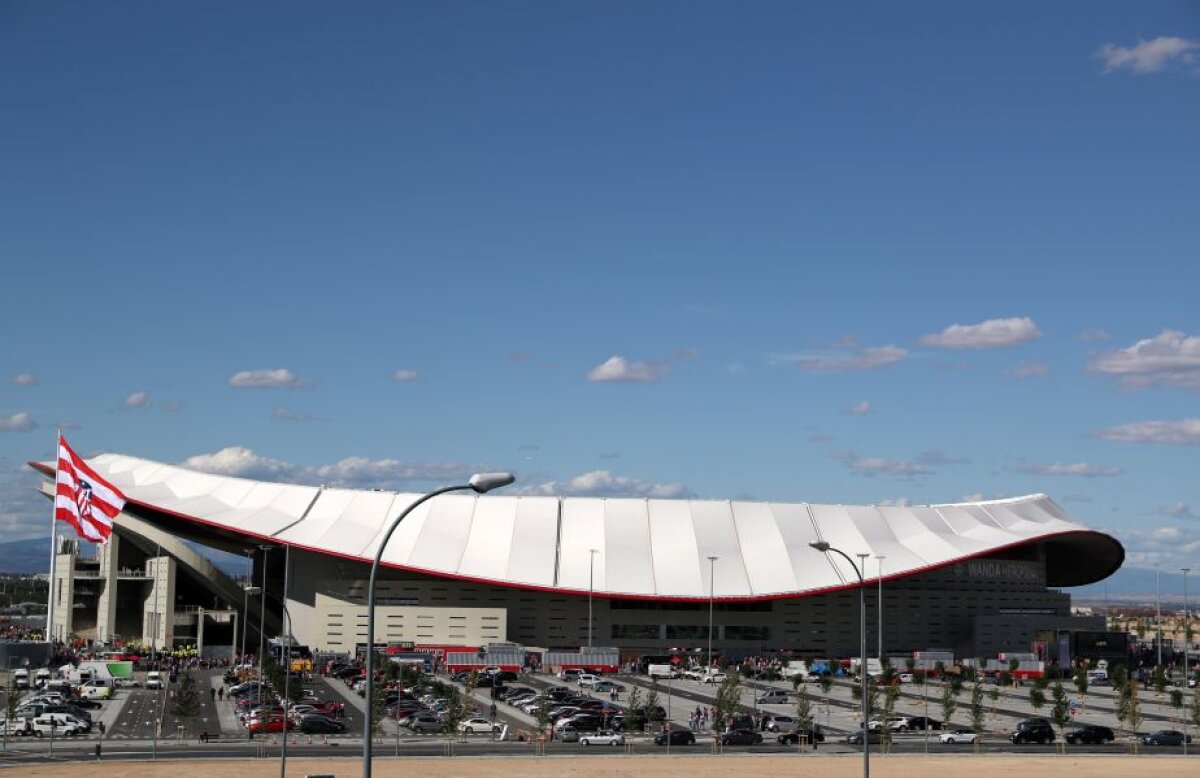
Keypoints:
pixel 714 677
pixel 792 738
pixel 958 736
pixel 320 724
pixel 608 686
pixel 568 734
pixel 569 675
pixel 1165 737
pixel 477 724
pixel 1090 733
pixel 740 737
pixel 602 738
pixel 58 725
pixel 154 680
pixel 1033 731
pixel 424 722
pixel 780 723
pixel 679 737
pixel 773 696
pixel 270 724
pixel 855 738
pixel 923 722
pixel 588 679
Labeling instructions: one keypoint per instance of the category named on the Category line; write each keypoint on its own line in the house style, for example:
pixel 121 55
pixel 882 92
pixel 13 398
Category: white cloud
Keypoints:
pixel 405 376
pixel 993 333
pixel 137 400
pixel 616 369
pixel 1082 469
pixel 1027 370
pixel 1182 432
pixel 24 379
pixel 358 472
pixel 1167 533
pixel 602 483
pixel 264 379
pixel 1179 510
pixel 1168 358
pixel 861 409
pixel 937 458
pixel 863 359
pixel 922 464
pixel 17 422
pixel 1148 56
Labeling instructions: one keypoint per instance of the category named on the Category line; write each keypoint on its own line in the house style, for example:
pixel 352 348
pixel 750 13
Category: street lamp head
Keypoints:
pixel 820 545
pixel 483 483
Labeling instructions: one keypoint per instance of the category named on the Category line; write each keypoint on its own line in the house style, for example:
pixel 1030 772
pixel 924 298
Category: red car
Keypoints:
pixel 270 725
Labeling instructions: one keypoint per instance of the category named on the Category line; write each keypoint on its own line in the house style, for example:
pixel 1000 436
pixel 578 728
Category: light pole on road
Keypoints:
pixel 824 547
pixel 480 483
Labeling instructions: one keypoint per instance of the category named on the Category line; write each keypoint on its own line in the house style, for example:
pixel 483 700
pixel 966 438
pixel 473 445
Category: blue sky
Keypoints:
pixel 856 252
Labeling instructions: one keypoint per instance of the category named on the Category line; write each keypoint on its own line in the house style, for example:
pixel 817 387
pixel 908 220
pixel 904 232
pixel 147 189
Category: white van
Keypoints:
pixel 661 671
pixel 154 680
pixel 62 724
pixel 95 690
pixel 41 678
pixel 21 679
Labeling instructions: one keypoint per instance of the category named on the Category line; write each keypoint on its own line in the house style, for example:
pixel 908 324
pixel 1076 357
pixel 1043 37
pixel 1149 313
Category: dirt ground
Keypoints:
pixel 646 767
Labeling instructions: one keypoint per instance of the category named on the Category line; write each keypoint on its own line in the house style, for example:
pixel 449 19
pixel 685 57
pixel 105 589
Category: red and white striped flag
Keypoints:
pixel 83 499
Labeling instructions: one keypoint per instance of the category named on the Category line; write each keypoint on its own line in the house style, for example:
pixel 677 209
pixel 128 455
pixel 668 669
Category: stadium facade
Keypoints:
pixel 975 578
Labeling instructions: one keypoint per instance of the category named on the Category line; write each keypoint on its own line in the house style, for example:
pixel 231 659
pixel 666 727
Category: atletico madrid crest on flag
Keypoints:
pixel 82 498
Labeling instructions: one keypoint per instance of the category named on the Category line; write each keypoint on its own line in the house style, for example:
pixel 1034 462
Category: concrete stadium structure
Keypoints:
pixel 975 578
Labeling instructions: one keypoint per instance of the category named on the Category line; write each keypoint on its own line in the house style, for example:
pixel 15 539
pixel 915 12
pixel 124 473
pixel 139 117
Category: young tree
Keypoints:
pixel 1060 713
pixel 826 684
pixel 1081 680
pixel 459 705
pixel 949 704
pixel 1177 703
pixel 653 707
pixel 890 695
pixel 977 711
pixel 728 700
pixel 1013 666
pixel 12 701
pixel 187 700
pixel 1037 698
pixel 543 712
pixel 1195 712
pixel 1160 680
pixel 472 681
pixel 1133 712
pixel 636 710
pixel 804 717
pixel 994 697
pixel 378 709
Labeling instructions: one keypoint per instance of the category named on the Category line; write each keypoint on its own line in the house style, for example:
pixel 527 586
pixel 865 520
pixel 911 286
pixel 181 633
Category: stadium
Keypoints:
pixel 642 575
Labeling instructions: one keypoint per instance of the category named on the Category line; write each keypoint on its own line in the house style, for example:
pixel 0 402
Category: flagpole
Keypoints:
pixel 53 550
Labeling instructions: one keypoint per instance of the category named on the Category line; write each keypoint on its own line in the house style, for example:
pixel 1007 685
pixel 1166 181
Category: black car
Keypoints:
pixel 740 737
pixel 923 722
pixel 1165 737
pixel 855 738
pixel 1091 734
pixel 85 704
pixel 679 737
pixel 317 724
pixel 792 738
pixel 1033 731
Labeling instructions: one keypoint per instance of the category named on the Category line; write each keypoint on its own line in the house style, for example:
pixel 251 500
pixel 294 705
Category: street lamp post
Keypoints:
pixel 1186 668
pixel 712 568
pixel 879 609
pixel 824 547
pixel 591 585
pixel 262 621
pixel 480 483
pixel 246 600
pixel 1157 614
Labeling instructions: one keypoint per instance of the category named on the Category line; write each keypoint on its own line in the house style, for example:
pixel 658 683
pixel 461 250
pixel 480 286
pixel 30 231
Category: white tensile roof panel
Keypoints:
pixel 717 536
pixel 628 566
pixel 768 567
pixel 489 543
pixel 581 530
pixel 534 548
pixel 673 548
pixel 643 548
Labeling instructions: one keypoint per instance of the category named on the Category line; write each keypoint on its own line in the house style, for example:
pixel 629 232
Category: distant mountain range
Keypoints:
pixel 33 556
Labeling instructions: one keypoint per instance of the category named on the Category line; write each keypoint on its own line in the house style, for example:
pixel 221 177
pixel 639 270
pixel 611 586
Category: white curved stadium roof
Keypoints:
pixel 646 548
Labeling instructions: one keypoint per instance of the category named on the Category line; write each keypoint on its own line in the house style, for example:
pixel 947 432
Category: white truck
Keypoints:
pixel 795 667
pixel 21 678
pixel 661 671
